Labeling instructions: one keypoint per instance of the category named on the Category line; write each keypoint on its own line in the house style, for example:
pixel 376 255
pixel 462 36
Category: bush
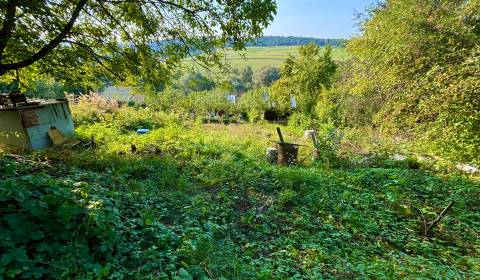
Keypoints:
pixel 304 121
pixel 90 108
pixel 415 69
pixel 131 119
pixel 253 103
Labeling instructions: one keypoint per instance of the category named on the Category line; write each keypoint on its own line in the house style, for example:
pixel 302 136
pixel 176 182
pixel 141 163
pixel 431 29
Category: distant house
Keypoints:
pixel 293 102
pixel 122 94
pixel 232 98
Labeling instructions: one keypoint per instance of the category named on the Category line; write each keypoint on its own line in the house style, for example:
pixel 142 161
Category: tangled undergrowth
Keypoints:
pixel 200 202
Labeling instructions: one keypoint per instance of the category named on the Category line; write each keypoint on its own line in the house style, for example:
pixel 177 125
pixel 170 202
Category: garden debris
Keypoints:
pixel 56 136
pixel 287 152
pixel 313 135
pixel 16 98
pixel 59 139
pixel 398 157
pixel 427 226
pixel 280 136
pixel 144 150
pixel 308 133
pixel 431 224
pixel 143 131
pixel 133 148
pixel 467 168
pixel 272 154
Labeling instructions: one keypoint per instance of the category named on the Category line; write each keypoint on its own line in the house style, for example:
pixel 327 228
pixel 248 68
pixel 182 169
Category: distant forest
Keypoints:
pixel 269 41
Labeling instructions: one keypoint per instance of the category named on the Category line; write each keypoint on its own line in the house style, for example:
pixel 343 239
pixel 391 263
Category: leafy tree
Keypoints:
pixel 238 80
pixel 266 76
pixel 305 78
pixel 419 62
pixel 247 75
pixel 194 81
pixel 46 88
pixel 126 40
pixel 210 101
pixel 254 103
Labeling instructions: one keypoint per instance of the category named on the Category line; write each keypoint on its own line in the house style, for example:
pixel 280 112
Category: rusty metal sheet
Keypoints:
pixel 29 118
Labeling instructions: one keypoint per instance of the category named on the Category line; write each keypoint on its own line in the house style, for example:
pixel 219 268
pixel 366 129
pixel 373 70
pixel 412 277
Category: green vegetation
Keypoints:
pixel 195 197
pixel 135 42
pixel 417 65
pixel 200 201
pixel 304 78
pixel 260 57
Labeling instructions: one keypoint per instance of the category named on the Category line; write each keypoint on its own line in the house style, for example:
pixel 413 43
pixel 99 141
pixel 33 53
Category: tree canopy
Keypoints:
pixel 193 82
pixel 305 78
pixel 418 62
pixel 128 40
pixel 266 76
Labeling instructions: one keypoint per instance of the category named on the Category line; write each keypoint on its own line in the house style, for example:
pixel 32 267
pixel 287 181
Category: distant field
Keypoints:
pixel 259 57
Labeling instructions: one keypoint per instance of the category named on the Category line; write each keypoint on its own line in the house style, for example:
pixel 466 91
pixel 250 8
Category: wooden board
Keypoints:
pixel 29 118
pixel 56 136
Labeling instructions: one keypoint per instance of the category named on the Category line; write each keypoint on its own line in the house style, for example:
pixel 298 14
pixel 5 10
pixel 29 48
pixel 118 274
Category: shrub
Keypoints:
pixel 90 108
pixel 415 68
pixel 253 103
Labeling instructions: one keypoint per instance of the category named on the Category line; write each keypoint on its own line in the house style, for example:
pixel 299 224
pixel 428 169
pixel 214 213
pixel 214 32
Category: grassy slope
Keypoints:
pixel 259 57
pixel 211 205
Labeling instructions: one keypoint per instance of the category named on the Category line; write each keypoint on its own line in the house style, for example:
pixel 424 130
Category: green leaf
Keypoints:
pixel 19 254
pixel 6 259
pixel 38 272
pixel 68 211
pixel 42 247
pixel 184 275
pixel 37 235
pixel 12 272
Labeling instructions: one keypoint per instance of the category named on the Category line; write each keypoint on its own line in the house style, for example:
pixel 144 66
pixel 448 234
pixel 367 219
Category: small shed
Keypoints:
pixel 27 125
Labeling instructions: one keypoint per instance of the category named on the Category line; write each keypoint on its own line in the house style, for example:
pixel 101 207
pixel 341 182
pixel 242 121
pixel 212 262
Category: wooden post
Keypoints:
pixel 279 132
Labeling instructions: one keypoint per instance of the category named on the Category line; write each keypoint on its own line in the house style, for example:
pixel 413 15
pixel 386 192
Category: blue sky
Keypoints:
pixel 317 18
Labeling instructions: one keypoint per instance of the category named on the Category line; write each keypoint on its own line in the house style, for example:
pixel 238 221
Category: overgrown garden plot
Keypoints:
pixel 208 205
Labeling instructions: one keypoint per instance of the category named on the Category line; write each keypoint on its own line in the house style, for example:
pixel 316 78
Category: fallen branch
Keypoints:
pixel 439 217
pixel 423 220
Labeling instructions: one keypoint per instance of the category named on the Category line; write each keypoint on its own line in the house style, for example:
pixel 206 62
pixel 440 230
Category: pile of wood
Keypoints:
pixel 12 99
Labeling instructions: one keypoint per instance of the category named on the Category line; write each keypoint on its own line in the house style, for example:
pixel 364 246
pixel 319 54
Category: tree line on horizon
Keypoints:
pixel 273 41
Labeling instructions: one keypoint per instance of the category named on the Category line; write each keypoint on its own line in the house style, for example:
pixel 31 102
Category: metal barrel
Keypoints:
pixel 287 153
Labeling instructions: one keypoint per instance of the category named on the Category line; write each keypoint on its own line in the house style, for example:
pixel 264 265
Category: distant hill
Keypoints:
pixel 273 41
